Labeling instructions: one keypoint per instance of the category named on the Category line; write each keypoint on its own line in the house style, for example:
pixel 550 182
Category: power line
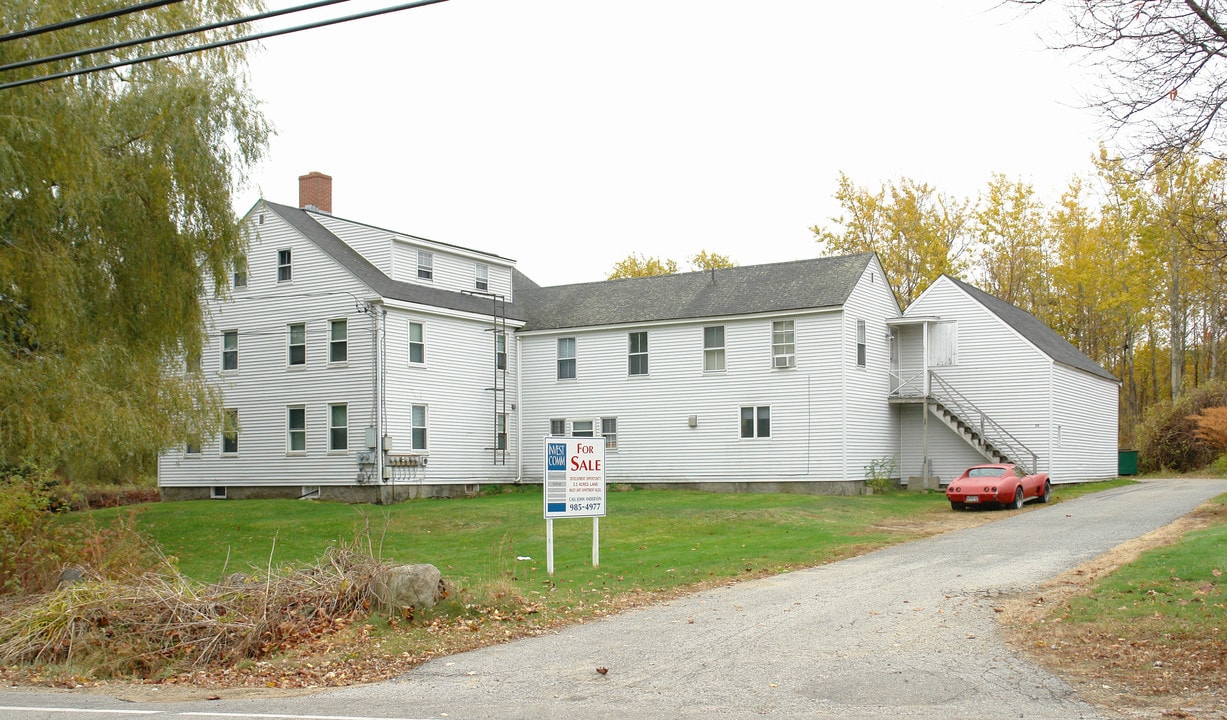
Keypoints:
pixel 118 12
pixel 169 35
pixel 217 44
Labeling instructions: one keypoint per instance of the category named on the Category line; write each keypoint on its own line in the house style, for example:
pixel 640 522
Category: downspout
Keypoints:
pixel 519 415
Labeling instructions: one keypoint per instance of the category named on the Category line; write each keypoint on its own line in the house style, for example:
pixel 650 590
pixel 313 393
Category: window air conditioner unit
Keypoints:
pixel 783 361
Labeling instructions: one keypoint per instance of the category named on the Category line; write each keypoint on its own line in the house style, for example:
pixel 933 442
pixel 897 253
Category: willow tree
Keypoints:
pixel 116 206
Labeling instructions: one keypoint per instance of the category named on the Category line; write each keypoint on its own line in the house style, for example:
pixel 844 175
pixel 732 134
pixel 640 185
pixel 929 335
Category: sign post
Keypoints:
pixel 574 486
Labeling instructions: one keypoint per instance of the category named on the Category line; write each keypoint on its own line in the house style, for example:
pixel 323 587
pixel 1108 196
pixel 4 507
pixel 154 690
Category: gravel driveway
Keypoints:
pixel 905 632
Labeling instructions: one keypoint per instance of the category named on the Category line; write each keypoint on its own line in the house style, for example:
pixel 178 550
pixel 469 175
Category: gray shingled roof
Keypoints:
pixel 777 287
pixel 1035 331
pixel 377 281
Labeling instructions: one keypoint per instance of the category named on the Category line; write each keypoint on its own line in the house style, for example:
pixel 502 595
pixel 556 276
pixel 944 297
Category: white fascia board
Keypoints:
pixel 706 320
pixel 441 311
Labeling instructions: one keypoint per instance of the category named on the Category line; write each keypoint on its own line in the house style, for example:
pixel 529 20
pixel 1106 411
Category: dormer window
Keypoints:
pixel 285 272
pixel 426 265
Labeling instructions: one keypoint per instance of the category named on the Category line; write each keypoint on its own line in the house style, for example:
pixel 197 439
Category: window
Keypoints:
pixel 637 353
pixel 609 431
pixel 230 350
pixel 296 429
pixel 500 432
pixel 426 264
pixel 230 432
pixel 192 447
pixel 558 427
pixel 192 360
pixel 418 427
pixel 566 358
pixel 481 277
pixel 338 341
pixel 217 492
pixel 713 348
pixel 297 345
pixel 783 344
pixel 500 351
pixel 417 343
pixel 285 272
pixel 860 343
pixel 581 428
pixel 240 272
pixel 338 427
pixel 756 421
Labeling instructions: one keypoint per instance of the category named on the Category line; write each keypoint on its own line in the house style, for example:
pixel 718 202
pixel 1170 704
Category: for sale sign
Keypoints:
pixel 574 477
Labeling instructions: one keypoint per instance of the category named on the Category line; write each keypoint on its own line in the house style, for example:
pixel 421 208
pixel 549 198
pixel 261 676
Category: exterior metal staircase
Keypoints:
pixel 980 431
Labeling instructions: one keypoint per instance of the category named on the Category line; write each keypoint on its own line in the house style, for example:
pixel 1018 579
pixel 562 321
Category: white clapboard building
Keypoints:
pixel 365 364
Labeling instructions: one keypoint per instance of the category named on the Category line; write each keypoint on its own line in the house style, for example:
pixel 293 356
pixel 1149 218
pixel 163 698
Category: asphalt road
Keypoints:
pixel 905 632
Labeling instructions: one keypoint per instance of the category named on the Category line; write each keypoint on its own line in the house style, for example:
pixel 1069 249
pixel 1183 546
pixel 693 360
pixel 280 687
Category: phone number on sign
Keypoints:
pixel 582 507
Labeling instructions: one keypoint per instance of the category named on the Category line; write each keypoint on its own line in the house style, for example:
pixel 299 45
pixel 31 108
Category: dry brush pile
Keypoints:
pixel 156 624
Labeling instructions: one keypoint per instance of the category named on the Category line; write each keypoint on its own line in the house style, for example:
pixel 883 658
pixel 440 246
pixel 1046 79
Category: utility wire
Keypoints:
pixel 217 44
pixel 169 35
pixel 85 20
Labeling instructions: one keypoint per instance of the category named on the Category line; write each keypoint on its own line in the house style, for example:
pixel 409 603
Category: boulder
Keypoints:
pixel 416 586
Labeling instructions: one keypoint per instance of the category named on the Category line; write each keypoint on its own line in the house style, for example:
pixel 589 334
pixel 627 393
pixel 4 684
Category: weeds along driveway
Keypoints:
pixel 905 632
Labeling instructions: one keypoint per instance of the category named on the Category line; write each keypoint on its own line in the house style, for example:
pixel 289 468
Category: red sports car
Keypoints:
pixel 998 484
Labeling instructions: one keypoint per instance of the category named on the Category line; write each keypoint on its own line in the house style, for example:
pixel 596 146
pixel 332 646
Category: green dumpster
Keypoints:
pixel 1127 462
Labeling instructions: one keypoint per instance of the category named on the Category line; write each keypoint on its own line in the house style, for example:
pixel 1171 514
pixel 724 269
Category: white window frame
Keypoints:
pixel 285 265
pixel 609 431
pixel 426 265
pixel 420 344
pixel 291 345
pixel 217 492
pixel 713 355
pixel 230 355
pixel 500 351
pixel 589 431
pixel 481 277
pixel 292 432
pixel 333 445
pixel 192 447
pixel 783 344
pixel 636 357
pixel 572 359
pixel 333 342
pixel 230 432
pixel 419 425
pixel 500 432
pixel 558 427
pixel 862 351
pixel 759 414
pixel 238 278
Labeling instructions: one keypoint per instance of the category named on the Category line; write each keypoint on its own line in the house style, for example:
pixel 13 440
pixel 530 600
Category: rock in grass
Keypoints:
pixel 409 586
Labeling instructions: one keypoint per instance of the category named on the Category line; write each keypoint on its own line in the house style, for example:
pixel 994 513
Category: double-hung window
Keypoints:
pixel 500 432
pixel 713 348
pixel 637 353
pixel 230 431
pixel 783 344
pixel 297 350
pixel 609 431
pixel 481 277
pixel 756 421
pixel 581 428
pixel 338 427
pixel 338 341
pixel 417 343
pixel 285 271
pixel 417 430
pixel 566 358
pixel 230 350
pixel 240 272
pixel 860 343
pixel 426 265
pixel 500 351
pixel 296 429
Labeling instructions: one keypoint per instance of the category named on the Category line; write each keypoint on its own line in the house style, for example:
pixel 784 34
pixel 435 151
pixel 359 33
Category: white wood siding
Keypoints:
pixel 374 244
pixel 264 385
pixel 870 432
pixel 1084 426
pixel 455 384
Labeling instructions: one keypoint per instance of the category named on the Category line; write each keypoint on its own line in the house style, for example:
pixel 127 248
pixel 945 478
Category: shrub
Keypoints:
pixel 1168 437
pixel 880 474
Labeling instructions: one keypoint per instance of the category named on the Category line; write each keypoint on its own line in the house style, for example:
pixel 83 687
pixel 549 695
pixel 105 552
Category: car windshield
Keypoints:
pixel 985 472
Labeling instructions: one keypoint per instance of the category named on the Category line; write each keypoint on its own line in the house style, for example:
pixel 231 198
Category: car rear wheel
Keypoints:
pixel 957 505
pixel 1018 498
pixel 1047 495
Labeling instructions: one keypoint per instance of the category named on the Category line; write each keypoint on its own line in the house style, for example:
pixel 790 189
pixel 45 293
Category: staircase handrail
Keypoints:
pixel 951 398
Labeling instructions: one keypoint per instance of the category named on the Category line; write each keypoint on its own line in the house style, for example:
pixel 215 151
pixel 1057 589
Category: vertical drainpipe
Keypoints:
pixel 519 412
pixel 377 314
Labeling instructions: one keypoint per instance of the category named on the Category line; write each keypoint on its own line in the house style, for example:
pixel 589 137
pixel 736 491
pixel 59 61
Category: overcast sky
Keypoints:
pixel 568 134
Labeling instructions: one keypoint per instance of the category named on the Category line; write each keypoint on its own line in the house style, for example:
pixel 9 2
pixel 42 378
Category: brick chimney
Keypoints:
pixel 315 191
